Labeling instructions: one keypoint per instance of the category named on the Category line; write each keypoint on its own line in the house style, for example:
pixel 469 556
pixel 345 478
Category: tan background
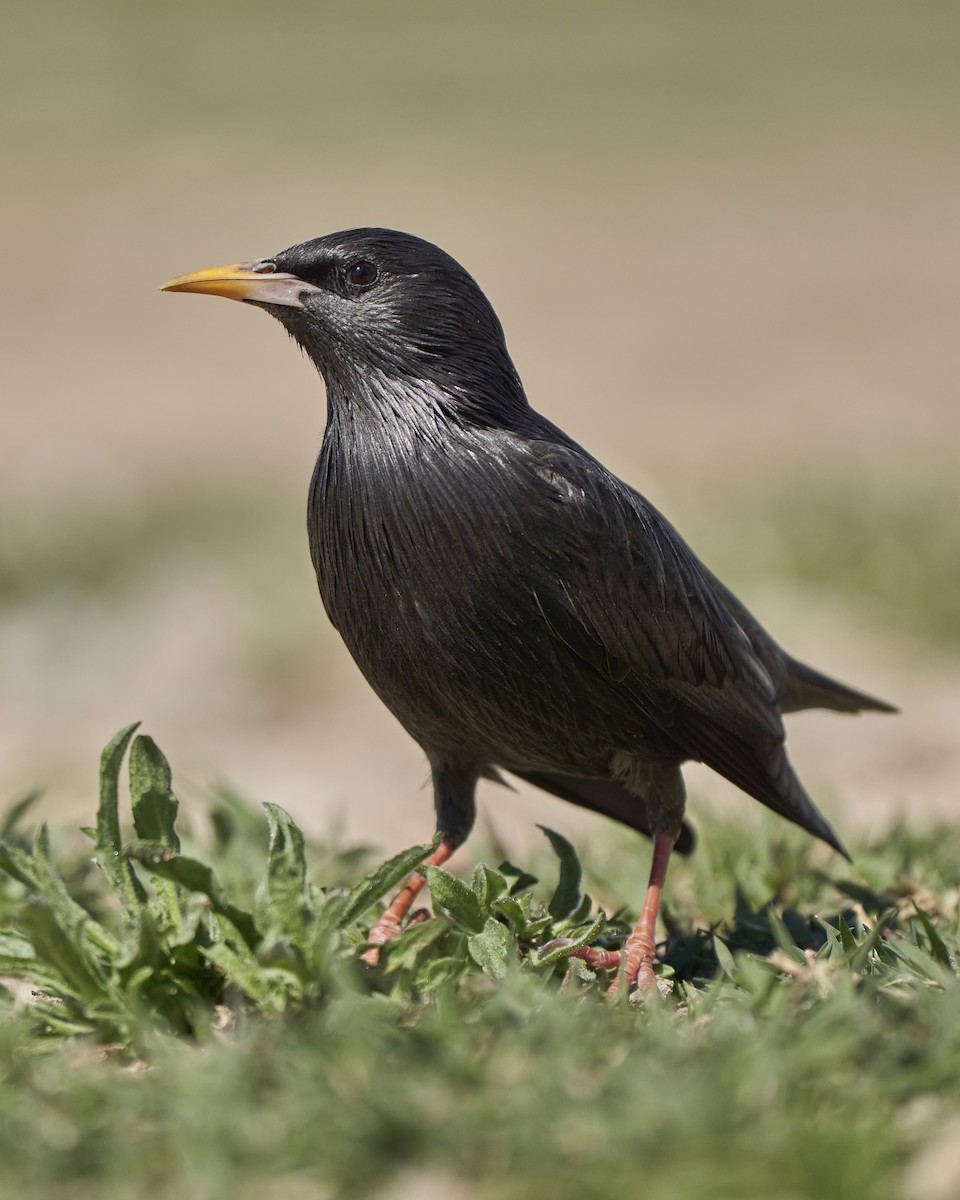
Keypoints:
pixel 723 240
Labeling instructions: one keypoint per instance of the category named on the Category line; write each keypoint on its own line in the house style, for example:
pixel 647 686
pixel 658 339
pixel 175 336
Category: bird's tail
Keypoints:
pixel 786 795
pixel 807 688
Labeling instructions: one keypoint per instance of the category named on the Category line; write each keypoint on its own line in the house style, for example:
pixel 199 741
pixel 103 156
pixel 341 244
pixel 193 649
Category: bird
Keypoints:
pixel 518 607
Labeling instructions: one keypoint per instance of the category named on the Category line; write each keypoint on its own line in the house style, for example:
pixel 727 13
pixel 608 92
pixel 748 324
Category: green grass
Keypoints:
pixel 175 1028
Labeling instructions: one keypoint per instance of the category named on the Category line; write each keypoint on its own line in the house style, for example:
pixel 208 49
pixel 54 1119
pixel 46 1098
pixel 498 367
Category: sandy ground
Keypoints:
pixel 714 303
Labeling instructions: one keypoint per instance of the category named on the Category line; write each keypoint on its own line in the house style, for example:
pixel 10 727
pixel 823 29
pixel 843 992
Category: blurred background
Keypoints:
pixel 723 240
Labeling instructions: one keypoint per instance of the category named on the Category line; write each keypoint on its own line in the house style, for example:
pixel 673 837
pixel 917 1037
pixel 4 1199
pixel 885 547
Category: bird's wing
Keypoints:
pixel 619 586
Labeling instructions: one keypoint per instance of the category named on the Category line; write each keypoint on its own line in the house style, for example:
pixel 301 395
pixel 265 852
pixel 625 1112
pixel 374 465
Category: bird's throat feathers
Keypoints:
pixel 417 382
pixel 377 402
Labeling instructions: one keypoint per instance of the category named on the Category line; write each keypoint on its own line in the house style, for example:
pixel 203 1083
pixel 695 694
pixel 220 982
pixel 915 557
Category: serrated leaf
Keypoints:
pixel 289 903
pixel 151 794
pixel 455 900
pixel 488 949
pixel 154 820
pixel 63 949
pixel 384 879
pixel 566 898
pixel 118 871
pixel 49 883
pixel 194 876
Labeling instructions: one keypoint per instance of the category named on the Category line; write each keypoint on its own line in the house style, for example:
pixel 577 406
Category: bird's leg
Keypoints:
pixel 639 951
pixel 453 797
pixel 665 798
pixel 391 923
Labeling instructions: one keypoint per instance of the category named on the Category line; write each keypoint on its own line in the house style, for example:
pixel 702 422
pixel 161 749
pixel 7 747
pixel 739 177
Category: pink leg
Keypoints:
pixel 639 951
pixel 391 923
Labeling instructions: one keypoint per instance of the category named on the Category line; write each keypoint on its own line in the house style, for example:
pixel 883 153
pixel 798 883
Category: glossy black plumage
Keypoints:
pixel 516 605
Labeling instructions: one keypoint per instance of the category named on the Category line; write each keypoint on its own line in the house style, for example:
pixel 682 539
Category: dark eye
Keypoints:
pixel 362 274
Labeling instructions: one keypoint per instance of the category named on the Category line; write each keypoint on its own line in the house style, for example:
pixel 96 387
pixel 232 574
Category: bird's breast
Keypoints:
pixel 423 562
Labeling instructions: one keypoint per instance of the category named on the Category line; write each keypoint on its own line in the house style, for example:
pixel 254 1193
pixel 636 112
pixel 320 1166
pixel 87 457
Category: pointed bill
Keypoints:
pixel 260 282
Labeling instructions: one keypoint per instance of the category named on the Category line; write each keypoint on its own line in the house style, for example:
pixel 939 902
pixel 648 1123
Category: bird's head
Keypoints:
pixel 368 302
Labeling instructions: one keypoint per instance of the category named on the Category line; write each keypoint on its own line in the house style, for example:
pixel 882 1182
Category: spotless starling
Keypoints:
pixel 515 605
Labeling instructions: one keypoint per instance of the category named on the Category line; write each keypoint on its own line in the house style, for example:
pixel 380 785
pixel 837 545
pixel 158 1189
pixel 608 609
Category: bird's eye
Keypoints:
pixel 265 268
pixel 362 274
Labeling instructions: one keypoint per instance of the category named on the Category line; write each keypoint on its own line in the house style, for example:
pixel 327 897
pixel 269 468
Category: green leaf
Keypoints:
pixel 440 971
pixel 403 951
pixel 566 898
pixel 154 818
pixel 110 858
pixel 522 880
pixel 14 947
pixel 488 884
pixel 526 924
pixel 873 940
pixel 151 794
pixel 918 959
pixel 455 900
pixel 49 883
pixel 62 948
pixel 847 937
pixel 937 945
pixel 386 877
pixel 267 987
pixel 16 812
pixel 195 876
pixel 832 947
pixel 590 934
pixel 290 908
pixel 488 949
pixel 782 937
pixel 725 958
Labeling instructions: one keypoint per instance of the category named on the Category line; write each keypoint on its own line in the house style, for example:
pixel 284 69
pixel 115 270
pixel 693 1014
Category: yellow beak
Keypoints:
pixel 257 281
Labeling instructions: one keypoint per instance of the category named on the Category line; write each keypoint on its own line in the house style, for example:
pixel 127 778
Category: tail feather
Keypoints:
pixel 807 688
pixel 788 797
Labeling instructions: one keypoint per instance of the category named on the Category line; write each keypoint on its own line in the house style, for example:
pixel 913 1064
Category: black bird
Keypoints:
pixel 513 603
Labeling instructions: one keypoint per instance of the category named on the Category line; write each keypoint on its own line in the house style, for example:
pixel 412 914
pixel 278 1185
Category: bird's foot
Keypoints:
pixel 391 924
pixel 386 929
pixel 633 963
